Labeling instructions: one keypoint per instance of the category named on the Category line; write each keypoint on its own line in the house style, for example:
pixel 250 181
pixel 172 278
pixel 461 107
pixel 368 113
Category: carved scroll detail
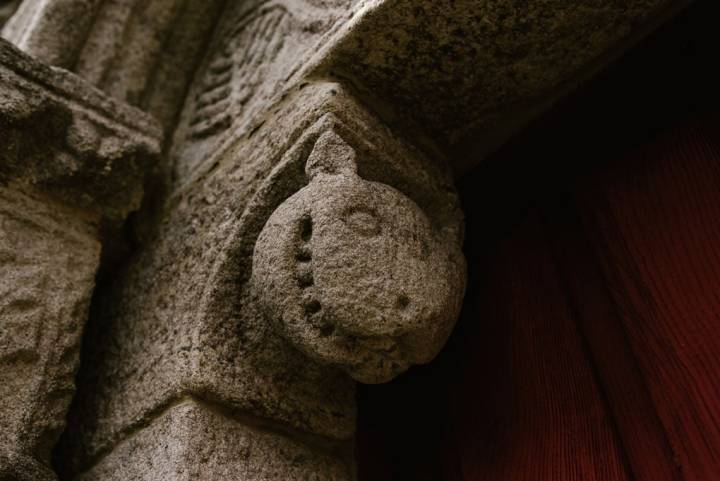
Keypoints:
pixel 236 71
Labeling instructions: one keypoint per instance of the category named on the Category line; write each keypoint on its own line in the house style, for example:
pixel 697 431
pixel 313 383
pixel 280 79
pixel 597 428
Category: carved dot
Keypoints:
pixel 312 307
pixel 303 254
pixel 305 279
pixel 403 301
pixel 327 330
pixel 306 228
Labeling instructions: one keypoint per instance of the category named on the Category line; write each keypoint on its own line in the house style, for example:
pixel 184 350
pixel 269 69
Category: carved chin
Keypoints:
pixel 363 359
pixel 377 371
pixel 369 360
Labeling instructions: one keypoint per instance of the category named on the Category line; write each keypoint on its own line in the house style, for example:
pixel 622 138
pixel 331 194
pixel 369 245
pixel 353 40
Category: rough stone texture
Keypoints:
pixel 94 152
pixel 471 73
pixel 51 30
pixel 146 53
pixel 141 52
pixel 354 273
pixel 299 238
pixel 7 8
pixel 258 45
pixel 48 259
pixel 182 319
pixel 192 441
pixel 57 192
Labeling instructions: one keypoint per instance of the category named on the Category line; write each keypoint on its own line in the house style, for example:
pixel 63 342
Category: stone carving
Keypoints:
pixel 7 8
pixel 352 272
pixel 95 151
pixel 236 70
pixel 48 260
pixel 251 65
pixel 84 173
pixel 183 321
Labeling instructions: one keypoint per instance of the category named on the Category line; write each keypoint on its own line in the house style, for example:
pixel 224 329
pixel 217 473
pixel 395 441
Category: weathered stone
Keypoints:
pixel 7 9
pixel 57 192
pixel 48 258
pixel 146 53
pixel 94 152
pixel 355 274
pixel 141 52
pixel 257 47
pixel 183 318
pixel 471 73
pixel 192 441
pixel 51 30
pixel 298 239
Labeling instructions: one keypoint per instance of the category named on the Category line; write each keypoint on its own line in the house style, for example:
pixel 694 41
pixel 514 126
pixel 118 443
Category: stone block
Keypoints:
pixel 192 441
pixel 72 164
pixel 471 73
pixel 68 140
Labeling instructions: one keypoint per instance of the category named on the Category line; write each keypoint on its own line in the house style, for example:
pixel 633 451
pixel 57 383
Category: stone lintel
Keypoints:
pixel 469 74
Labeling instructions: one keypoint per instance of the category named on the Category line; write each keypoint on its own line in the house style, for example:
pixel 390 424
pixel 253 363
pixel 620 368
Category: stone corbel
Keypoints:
pixel 354 273
pixel 319 249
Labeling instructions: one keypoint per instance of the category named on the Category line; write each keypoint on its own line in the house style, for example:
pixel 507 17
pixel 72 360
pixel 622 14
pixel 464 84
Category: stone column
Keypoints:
pixel 7 9
pixel 52 31
pixel 72 164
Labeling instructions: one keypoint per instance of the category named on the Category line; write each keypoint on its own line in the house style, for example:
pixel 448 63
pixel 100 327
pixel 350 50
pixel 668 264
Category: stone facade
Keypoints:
pixel 301 230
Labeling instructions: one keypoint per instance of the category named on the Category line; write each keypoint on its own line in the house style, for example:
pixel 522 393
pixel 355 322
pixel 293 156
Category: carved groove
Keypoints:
pixel 304 272
pixel 235 74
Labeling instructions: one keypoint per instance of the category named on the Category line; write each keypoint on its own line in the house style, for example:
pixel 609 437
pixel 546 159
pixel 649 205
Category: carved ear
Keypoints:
pixel 331 155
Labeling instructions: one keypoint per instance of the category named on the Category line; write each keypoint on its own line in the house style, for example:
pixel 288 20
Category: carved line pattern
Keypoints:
pixel 304 275
pixel 236 71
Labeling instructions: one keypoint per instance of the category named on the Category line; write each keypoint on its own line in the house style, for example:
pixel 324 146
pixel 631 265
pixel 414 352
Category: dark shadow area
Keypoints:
pixel 664 82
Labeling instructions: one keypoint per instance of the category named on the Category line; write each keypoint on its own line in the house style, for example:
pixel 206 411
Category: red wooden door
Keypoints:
pixel 589 343
pixel 599 352
pixel 589 347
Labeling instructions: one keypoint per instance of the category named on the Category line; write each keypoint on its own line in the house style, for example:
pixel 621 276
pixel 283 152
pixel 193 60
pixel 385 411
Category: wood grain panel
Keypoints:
pixel 655 222
pixel 528 407
pixel 643 436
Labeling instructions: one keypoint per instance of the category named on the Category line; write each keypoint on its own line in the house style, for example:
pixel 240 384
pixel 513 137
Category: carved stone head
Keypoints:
pixel 353 273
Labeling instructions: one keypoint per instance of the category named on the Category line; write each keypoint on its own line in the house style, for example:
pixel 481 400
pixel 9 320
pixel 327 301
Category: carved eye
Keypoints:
pixel 363 221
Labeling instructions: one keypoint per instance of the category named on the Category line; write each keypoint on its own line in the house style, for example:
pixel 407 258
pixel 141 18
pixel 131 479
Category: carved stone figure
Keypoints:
pixel 353 273
pixel 301 225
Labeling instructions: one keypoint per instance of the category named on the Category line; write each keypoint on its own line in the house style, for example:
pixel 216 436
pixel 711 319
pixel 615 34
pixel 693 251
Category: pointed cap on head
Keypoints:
pixel 332 156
